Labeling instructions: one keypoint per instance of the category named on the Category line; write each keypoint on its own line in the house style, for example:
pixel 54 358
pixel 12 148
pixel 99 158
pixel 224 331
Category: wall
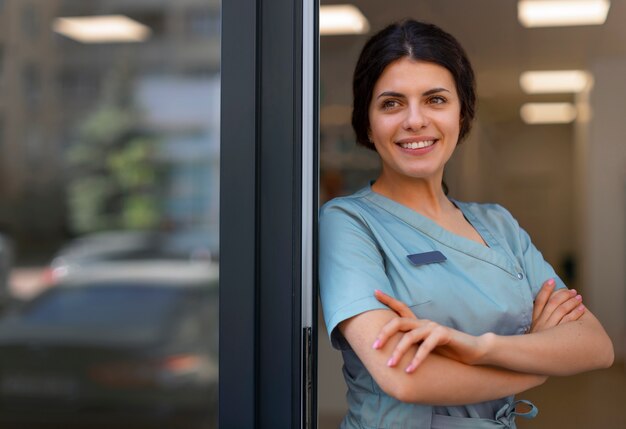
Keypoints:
pixel 601 161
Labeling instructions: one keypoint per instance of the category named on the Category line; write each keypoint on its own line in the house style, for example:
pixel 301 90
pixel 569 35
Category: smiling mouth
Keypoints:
pixel 417 145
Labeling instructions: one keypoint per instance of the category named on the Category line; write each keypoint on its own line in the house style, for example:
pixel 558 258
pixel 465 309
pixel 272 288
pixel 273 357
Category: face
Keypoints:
pixel 414 119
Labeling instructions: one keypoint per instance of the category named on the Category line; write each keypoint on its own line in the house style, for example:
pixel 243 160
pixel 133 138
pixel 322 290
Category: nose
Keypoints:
pixel 416 118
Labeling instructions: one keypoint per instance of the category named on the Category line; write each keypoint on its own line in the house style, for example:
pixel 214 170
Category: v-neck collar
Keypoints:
pixel 494 253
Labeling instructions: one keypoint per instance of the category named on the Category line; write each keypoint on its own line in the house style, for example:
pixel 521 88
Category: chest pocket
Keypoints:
pixel 418 284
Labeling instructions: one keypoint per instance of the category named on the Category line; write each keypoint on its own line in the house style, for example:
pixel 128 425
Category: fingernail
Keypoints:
pixel 551 282
pixel 581 308
pixel 409 368
pixel 390 362
pixel 376 344
pixel 572 291
pixel 579 298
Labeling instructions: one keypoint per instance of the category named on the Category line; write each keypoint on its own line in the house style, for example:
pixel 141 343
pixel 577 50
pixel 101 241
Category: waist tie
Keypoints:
pixel 504 418
pixel 506 415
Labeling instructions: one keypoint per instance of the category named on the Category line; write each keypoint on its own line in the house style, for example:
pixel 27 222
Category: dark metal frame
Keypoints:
pixel 261 349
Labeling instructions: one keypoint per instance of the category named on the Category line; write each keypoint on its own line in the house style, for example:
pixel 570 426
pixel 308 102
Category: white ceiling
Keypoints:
pixel 498 46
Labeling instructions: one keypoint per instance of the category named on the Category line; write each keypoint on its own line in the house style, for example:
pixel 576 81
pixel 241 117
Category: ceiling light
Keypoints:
pixel 555 81
pixel 101 29
pixel 342 19
pixel 548 113
pixel 555 13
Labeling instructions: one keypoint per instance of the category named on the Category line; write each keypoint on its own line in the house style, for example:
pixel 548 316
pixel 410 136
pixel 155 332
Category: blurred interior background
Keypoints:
pixel 564 180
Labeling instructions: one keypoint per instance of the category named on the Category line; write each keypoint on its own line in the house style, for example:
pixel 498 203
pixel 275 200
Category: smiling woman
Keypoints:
pixel 443 309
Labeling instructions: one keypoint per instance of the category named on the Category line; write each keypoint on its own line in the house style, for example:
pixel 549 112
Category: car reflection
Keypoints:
pixel 128 344
pixel 124 246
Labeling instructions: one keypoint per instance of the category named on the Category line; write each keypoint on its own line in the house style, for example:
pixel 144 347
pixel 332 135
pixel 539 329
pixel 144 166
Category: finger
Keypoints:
pixel 551 313
pixel 564 309
pixel 397 324
pixel 410 338
pixel 556 299
pixel 542 297
pixel 574 314
pixel 396 305
pixel 425 348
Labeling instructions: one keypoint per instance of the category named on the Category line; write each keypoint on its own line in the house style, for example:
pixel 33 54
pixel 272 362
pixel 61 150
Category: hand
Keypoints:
pixel 426 334
pixel 554 308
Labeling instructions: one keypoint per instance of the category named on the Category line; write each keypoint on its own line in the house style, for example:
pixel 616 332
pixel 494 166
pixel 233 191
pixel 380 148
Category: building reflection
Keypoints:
pixel 109 164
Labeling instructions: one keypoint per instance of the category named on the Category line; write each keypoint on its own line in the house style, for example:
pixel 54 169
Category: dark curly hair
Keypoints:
pixel 418 41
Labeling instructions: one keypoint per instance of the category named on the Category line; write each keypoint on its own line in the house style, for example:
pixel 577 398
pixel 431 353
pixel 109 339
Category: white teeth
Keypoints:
pixel 417 145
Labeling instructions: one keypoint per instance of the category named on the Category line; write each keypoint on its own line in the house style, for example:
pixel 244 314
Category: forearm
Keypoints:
pixel 565 349
pixel 439 379
pixel 443 381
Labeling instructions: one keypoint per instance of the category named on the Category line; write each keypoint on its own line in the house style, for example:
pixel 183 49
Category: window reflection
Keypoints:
pixel 2 131
pixel 109 217
pixel 31 85
pixel 202 23
pixel 31 26
pixel 1 56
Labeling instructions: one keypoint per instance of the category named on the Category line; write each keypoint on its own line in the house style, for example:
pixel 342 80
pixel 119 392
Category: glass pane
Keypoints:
pixel 109 179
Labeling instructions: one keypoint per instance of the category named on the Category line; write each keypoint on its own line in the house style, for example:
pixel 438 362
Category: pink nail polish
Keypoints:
pixel 390 362
pixel 409 368
pixel 581 308
pixel 551 282
pixel 376 344
pixel 579 298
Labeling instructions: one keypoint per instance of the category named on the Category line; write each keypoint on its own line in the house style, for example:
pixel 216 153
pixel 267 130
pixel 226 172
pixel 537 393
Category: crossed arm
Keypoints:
pixel 420 361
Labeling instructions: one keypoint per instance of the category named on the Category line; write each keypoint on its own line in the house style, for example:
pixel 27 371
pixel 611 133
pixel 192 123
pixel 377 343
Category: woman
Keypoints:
pixel 443 310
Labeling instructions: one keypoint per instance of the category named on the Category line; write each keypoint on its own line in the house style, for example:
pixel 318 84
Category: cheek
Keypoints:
pixel 382 124
pixel 453 124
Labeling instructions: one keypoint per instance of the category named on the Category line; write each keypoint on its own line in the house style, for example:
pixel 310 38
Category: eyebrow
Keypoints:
pixel 397 94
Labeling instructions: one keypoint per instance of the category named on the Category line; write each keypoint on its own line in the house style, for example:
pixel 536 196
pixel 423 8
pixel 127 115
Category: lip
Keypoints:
pixel 416 139
pixel 420 151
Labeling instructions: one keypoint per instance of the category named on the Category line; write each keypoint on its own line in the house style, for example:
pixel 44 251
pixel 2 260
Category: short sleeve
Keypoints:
pixel 351 268
pixel 537 269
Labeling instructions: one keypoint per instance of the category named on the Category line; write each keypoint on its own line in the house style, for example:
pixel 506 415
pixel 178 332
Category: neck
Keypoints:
pixel 424 195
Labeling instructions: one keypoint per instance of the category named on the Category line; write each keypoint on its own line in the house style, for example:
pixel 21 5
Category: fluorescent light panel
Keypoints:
pixel 548 113
pixel 556 13
pixel 555 81
pixel 101 29
pixel 342 19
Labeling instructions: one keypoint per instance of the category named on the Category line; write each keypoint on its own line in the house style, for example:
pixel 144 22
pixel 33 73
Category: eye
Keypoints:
pixel 389 104
pixel 437 99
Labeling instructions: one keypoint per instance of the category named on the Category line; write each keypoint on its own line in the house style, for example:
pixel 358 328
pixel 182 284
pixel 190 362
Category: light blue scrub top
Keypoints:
pixel 364 242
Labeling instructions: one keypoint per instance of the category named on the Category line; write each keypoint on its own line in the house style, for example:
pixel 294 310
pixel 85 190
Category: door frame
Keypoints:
pixel 268 214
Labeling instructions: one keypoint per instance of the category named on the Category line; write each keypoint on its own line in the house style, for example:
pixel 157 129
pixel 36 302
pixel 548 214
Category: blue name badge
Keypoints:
pixel 426 258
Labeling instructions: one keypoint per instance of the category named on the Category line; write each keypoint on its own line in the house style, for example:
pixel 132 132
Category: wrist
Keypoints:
pixel 487 345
